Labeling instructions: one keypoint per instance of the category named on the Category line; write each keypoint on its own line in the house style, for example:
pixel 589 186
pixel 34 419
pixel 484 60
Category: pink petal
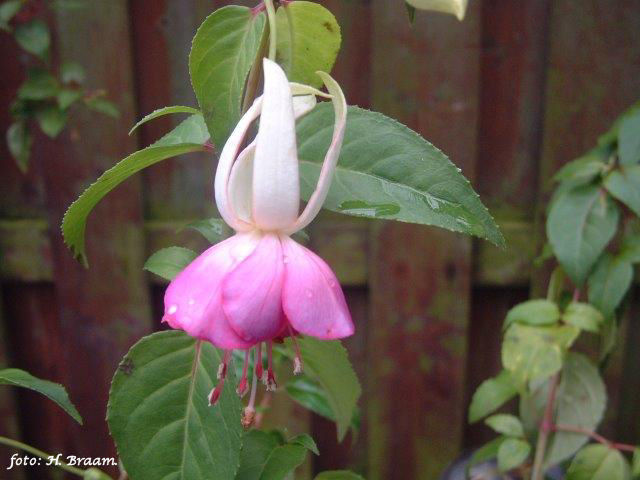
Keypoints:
pixel 252 292
pixel 193 300
pixel 311 296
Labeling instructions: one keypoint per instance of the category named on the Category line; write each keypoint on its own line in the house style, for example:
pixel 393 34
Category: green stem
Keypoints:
pixel 39 453
pixel 271 15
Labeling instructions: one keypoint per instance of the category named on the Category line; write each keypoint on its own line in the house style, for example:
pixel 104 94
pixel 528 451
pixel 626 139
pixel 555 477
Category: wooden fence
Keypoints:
pixel 511 93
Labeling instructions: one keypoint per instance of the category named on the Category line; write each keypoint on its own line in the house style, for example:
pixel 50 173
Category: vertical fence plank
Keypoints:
pixel 105 309
pixel 426 76
pixel 593 75
pixel 512 78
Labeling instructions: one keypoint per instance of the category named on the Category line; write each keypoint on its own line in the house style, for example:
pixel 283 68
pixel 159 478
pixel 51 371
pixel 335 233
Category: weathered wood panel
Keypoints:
pixel 427 77
pixel 103 310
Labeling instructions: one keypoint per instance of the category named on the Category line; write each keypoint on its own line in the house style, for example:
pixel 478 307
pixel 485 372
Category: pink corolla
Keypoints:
pixel 260 285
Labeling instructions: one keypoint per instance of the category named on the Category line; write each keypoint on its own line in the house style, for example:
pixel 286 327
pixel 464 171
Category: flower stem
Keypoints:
pixel 39 453
pixel 593 435
pixel 271 15
pixel 546 427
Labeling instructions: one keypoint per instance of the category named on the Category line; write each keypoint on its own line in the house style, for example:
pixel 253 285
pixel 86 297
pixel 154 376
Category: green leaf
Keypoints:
pixel 169 262
pixel 66 97
pixel 584 169
pixel 309 394
pixel 256 448
pixel 54 391
pixel 635 464
pixel 411 12
pixel 223 50
pixel 39 85
pixel 8 10
pixel 624 184
pixel 534 312
pixel 338 475
pixel 102 105
pixel 506 424
pixel 52 120
pixel 583 316
pixel 159 415
pixel 629 139
pixel 308 40
pixel 306 441
pixel 535 353
pixel 598 462
pixel 187 137
pixel 486 452
pixel 388 171
pixel 34 37
pixel 213 229
pixel 19 141
pixel 609 282
pixel 630 249
pixel 580 401
pixel 491 395
pixel 164 111
pixel 282 461
pixel 95 474
pixel 581 223
pixel 72 72
pixel 512 453
pixel 328 363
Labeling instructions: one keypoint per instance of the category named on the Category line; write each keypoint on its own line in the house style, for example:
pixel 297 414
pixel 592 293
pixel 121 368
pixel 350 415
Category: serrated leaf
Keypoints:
pixel 223 50
pixel 581 223
pixel 306 441
pixel 256 448
pixel 580 401
pixel 19 142
pixel 187 137
pixel 213 229
pixel 338 475
pixel 512 453
pixel 328 363
pixel 164 111
pixel 66 97
pixel 53 391
pixel 583 169
pixel 583 316
pixel 454 7
pixel 159 415
pixel 72 72
pixel 534 312
pixel 308 40
pixel 51 120
pixel 609 282
pixel 169 262
pixel 34 37
pixel 506 424
pixel 102 105
pixel 309 394
pixel 39 85
pixel 624 184
pixel 629 139
pixel 282 461
pixel 598 462
pixel 491 395
pixel 635 463
pixel 534 353
pixel 388 171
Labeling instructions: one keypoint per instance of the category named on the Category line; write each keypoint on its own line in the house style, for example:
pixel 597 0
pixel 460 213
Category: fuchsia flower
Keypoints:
pixel 261 285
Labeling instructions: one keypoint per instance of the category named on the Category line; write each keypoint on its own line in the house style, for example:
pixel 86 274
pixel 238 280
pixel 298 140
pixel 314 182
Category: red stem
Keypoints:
pixel 595 436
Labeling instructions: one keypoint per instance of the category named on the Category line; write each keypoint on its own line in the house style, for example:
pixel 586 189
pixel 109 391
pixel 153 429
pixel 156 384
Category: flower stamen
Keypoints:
pixel 271 379
pixel 297 360
pixel 243 386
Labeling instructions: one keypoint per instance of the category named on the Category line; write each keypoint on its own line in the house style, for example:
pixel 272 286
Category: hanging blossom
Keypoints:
pixel 260 285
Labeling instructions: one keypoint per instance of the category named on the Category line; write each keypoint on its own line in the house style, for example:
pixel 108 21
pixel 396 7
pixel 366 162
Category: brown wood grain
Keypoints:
pixel 105 309
pixel 427 76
